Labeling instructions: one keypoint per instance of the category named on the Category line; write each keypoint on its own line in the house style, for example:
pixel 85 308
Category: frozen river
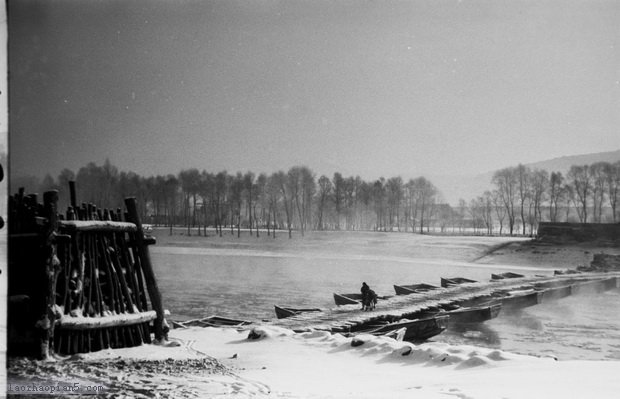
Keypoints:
pixel 244 278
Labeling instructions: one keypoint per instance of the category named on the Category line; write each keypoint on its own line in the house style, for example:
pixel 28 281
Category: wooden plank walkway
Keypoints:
pixel 341 319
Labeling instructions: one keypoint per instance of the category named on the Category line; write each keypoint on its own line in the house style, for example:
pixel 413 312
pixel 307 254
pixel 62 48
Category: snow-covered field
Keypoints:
pixel 211 362
pixel 320 365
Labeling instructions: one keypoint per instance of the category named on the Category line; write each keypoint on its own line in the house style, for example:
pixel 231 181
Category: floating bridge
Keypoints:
pixel 351 317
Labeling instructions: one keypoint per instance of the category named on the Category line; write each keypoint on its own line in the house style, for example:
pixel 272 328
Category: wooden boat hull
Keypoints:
pixel 426 329
pixel 469 315
pixel 483 300
pixel 284 312
pixel 347 299
pixel 594 286
pixel 213 321
pixel 551 294
pixel 411 330
pixel 452 281
pixel 475 314
pixel 506 275
pixel 412 288
pixel 520 301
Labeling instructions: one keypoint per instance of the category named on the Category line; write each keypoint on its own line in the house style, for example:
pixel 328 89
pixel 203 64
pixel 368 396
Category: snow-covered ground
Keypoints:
pixel 211 362
pixel 280 364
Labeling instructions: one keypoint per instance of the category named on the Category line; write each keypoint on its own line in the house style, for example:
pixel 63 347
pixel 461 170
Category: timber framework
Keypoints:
pixel 80 281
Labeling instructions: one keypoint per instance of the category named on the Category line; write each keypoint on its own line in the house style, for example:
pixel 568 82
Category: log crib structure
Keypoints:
pixel 79 282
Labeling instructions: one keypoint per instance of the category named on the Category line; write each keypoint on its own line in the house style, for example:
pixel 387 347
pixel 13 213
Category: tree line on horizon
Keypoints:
pixel 524 197
pixel 296 200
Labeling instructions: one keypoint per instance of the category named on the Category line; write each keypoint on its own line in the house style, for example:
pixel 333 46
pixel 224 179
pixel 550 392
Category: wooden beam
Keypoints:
pixel 97 226
pixel 67 322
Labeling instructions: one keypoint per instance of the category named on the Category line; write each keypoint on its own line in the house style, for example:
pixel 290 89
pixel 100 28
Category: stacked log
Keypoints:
pixel 94 270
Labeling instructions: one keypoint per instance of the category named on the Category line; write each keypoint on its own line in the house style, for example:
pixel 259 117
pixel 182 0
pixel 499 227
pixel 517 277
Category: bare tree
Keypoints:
pixel 261 199
pixel 171 188
pixel 424 197
pixel 300 187
pixel 539 183
pixel 221 194
pixel 523 190
pixel 367 217
pixel 308 191
pixel 394 190
pixel 358 192
pixel 325 191
pixel 248 186
pixel 158 198
pixel 445 216
pixel 378 194
pixel 190 182
pixel 475 210
pixel 410 203
pixel 557 193
pixel 599 187
pixel 338 196
pixel 500 209
pixel 506 182
pixel 287 199
pixel 274 195
pixel 613 188
pixel 349 202
pixel 206 190
pixel 580 180
pixel 236 199
pixel 97 184
pixel 487 211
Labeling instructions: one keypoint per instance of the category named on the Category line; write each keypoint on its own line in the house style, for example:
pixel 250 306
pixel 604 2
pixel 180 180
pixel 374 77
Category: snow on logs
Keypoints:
pixel 97 226
pixel 67 322
pixel 87 277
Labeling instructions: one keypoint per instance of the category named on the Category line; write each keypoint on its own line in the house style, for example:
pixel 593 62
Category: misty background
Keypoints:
pixel 440 89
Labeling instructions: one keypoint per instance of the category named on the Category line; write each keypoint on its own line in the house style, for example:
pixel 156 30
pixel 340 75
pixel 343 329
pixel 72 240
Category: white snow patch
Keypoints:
pixel 317 364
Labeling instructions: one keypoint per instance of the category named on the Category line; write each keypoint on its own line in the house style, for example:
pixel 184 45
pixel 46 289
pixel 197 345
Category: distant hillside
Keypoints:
pixel 467 187
pixel 563 164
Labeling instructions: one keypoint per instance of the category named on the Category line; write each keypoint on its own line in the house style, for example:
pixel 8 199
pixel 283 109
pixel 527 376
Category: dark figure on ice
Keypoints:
pixel 369 297
pixel 365 289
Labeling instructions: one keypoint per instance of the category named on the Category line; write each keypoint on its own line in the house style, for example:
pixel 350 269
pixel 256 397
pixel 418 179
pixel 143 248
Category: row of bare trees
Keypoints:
pixel 283 200
pixel 295 200
pixel 524 197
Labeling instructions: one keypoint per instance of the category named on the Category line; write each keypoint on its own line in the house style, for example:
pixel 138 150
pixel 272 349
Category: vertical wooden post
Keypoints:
pixel 52 268
pixel 147 268
pixel 72 193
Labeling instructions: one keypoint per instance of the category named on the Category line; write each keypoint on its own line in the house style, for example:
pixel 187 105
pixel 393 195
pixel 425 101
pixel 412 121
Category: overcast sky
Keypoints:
pixel 370 88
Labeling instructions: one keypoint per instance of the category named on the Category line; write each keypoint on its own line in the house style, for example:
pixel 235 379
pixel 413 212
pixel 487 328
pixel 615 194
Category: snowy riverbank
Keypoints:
pixel 211 362
pixel 320 365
